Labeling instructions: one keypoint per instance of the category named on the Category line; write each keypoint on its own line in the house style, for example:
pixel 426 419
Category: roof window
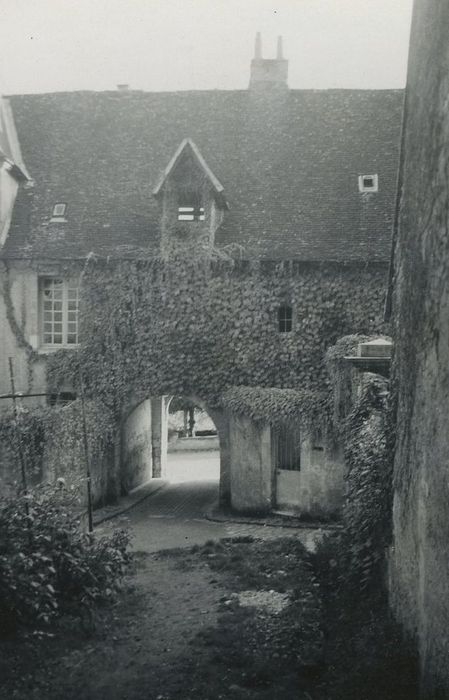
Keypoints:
pixel 59 210
pixel 368 183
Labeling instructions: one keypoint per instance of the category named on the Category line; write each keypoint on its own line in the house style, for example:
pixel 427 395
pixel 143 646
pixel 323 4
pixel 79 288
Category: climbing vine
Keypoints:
pixel 52 444
pixel 16 328
pixel 198 327
pixel 277 406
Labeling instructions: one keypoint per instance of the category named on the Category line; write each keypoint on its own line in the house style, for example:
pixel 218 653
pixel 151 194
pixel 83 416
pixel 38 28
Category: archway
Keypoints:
pixel 153 446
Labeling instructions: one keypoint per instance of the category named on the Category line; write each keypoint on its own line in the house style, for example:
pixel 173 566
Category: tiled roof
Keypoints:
pixel 289 163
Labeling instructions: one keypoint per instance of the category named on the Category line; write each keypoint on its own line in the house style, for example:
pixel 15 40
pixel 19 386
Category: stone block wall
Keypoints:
pixel 419 576
pixel 137 447
pixel 316 490
pixel 251 466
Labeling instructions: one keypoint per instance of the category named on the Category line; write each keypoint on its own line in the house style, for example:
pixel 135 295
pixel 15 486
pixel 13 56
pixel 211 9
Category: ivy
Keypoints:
pixel 52 443
pixel 16 328
pixel 341 376
pixel 276 406
pixel 359 552
pixel 193 326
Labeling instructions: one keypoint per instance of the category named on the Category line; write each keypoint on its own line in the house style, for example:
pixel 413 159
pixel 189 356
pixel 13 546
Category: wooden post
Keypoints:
pixel 86 455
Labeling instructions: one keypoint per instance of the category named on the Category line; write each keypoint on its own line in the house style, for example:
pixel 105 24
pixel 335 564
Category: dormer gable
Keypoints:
pixel 187 148
pixel 192 200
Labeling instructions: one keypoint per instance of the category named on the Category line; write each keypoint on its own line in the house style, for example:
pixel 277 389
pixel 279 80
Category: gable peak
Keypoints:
pixel 187 145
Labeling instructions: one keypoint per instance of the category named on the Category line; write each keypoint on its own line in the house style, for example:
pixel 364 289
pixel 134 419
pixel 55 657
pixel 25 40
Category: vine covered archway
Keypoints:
pixel 198 327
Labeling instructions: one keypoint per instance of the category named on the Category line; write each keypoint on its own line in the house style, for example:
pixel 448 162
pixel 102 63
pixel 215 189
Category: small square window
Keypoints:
pixel 285 319
pixel 368 183
pixel 59 209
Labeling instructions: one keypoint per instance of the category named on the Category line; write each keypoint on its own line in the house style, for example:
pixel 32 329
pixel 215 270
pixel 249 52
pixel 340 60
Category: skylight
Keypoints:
pixel 368 183
pixel 59 210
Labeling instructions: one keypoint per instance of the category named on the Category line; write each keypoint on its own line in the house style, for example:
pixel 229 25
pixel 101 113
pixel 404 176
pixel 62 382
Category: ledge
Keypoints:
pixel 378 365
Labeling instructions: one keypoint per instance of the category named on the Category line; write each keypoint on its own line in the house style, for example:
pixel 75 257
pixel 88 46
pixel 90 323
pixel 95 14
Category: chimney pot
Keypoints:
pixel 268 73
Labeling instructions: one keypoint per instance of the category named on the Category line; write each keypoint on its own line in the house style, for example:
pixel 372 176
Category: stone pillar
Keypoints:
pixel 251 466
pixel 159 414
pixel 221 420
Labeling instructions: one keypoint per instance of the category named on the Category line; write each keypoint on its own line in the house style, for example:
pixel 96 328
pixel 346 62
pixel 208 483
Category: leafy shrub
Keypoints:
pixel 48 565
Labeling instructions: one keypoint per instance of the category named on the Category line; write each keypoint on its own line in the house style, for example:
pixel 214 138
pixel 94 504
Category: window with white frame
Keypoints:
pixel 59 311
pixel 368 183
pixel 190 207
pixel 58 212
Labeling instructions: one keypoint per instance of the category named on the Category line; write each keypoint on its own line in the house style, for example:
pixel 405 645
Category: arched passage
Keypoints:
pixel 144 453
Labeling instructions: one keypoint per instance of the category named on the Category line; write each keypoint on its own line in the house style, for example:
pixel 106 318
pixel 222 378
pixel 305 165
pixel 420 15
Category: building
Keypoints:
pixel 300 183
pixel 419 576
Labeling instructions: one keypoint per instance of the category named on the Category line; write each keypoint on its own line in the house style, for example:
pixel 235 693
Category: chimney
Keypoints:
pixel 123 87
pixel 268 73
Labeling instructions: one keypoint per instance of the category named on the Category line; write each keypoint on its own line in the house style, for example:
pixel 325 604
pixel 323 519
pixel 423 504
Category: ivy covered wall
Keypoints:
pixel 193 327
pixel 196 328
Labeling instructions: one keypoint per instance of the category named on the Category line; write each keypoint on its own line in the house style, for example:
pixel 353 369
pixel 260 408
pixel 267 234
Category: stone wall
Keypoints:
pixel 316 490
pixel 251 467
pixel 137 448
pixel 419 580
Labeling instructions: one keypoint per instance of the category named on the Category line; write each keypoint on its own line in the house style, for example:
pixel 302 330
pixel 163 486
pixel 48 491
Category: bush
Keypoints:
pixel 48 565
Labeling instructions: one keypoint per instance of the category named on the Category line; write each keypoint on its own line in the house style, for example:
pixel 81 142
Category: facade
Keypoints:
pixel 304 179
pixel 419 576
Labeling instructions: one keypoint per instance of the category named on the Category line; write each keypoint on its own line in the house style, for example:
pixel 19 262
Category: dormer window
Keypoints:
pixel 368 183
pixel 59 210
pixel 190 207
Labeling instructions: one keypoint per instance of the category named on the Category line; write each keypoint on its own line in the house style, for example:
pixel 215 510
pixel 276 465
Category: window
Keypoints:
pixel 59 211
pixel 317 438
pixel 59 311
pixel 190 207
pixel 286 447
pixel 368 183
pixel 61 399
pixel 285 318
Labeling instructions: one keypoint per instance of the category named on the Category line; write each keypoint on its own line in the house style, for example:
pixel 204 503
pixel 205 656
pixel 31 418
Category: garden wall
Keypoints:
pixel 52 444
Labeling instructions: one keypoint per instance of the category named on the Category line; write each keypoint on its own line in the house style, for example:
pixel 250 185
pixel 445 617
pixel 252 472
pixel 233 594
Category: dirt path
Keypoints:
pixel 178 632
pixel 149 649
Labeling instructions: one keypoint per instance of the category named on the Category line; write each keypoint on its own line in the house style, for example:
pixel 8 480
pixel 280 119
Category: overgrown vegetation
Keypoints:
pixel 277 406
pixel 52 443
pixel 154 327
pixel 365 651
pixel 48 565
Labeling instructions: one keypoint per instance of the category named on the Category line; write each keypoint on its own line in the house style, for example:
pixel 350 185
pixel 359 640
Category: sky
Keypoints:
pixel 58 45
